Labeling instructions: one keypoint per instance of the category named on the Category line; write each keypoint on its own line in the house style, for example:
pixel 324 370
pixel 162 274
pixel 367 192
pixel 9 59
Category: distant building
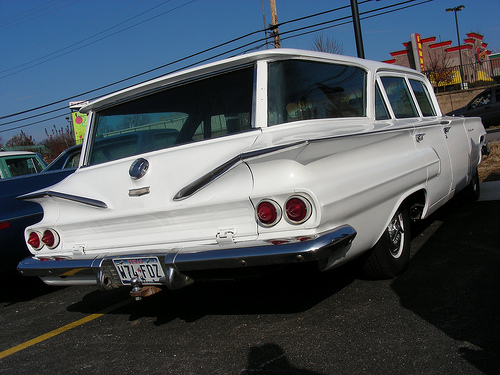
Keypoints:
pixel 441 60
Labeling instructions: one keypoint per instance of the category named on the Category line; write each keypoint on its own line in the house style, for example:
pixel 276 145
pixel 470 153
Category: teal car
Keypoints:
pixel 20 163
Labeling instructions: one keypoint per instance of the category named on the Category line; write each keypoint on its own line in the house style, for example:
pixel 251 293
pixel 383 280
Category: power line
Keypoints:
pixel 22 15
pixel 126 79
pixel 349 18
pixel 90 37
pixel 173 71
pixel 151 70
pixel 23 19
pixel 209 58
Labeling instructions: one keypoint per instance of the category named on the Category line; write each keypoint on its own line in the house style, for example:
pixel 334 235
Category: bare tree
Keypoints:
pixel 21 140
pixel 328 44
pixel 57 141
pixel 439 69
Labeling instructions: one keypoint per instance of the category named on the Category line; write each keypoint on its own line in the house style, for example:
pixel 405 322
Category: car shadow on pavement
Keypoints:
pixel 282 293
pixel 17 288
pixel 453 280
pixel 271 359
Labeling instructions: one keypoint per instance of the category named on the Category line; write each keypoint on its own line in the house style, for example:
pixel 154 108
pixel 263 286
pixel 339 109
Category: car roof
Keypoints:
pixel 207 69
pixel 16 153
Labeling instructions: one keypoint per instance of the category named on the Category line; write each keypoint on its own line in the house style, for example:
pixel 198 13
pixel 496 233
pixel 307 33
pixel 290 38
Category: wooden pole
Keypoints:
pixel 274 19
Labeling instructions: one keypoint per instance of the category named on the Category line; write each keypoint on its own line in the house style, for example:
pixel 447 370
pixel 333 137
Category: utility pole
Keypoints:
pixel 357 29
pixel 463 85
pixel 265 25
pixel 274 27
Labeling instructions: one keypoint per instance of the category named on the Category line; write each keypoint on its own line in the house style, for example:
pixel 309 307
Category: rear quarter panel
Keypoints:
pixel 357 178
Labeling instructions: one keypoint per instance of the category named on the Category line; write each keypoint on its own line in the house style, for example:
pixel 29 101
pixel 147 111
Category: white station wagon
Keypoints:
pixel 263 160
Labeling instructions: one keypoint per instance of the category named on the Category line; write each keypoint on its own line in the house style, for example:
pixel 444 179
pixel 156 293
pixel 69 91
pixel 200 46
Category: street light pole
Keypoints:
pixel 458 9
pixel 357 29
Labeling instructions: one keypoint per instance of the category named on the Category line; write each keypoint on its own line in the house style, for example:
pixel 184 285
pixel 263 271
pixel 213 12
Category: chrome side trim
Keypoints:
pixel 223 168
pixel 74 198
pixel 198 184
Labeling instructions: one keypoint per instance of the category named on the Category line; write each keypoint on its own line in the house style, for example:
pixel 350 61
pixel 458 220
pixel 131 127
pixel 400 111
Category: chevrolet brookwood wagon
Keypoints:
pixel 267 159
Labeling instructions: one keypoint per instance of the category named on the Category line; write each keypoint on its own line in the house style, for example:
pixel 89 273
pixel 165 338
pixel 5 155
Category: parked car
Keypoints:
pixel 69 158
pixel 274 158
pixel 485 105
pixel 16 215
pixel 19 163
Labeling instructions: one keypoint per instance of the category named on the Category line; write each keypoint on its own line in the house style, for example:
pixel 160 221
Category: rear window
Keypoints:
pixel 303 90
pixel 22 165
pixel 208 108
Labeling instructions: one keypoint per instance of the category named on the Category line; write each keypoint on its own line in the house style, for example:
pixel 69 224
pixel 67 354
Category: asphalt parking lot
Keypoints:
pixel 439 317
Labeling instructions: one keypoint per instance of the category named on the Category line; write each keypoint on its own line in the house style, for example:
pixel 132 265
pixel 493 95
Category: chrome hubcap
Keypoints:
pixel 396 235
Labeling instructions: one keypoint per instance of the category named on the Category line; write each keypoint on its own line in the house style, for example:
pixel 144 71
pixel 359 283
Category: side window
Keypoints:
pixel 399 97
pixel 483 99
pixel 423 98
pixel 22 166
pixel 223 124
pixel 73 161
pixel 304 90
pixel 381 112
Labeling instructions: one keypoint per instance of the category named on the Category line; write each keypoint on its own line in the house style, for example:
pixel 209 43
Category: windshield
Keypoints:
pixel 203 109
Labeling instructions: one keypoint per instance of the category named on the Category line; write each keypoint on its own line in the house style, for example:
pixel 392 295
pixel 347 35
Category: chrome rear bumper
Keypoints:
pixel 101 271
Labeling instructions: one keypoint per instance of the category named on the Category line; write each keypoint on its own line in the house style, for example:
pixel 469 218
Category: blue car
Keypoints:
pixel 16 215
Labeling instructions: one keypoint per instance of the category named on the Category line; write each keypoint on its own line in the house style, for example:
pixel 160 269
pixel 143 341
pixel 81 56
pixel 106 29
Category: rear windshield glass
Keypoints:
pixel 22 165
pixel 203 109
pixel 303 90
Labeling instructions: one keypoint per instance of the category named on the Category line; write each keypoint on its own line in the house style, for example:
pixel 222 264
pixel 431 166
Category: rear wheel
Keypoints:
pixel 391 254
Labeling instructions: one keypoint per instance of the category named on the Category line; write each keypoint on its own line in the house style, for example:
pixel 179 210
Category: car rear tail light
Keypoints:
pixel 298 210
pixel 50 238
pixel 268 213
pixel 35 241
pixel 4 225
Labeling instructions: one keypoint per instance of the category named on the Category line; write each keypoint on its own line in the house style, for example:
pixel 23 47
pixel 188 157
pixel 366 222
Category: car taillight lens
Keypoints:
pixel 268 213
pixel 34 241
pixel 50 238
pixel 297 210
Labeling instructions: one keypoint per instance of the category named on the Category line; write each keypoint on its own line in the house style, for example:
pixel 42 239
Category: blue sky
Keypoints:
pixel 52 50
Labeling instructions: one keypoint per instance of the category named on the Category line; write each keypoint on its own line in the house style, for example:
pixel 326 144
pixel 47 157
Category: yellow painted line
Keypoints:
pixel 60 330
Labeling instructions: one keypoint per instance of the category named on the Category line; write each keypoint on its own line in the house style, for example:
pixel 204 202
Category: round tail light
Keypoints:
pixel 268 213
pixel 50 238
pixel 35 241
pixel 297 210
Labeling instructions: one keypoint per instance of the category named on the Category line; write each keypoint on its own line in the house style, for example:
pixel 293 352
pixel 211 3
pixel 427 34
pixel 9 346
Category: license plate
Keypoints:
pixel 146 270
